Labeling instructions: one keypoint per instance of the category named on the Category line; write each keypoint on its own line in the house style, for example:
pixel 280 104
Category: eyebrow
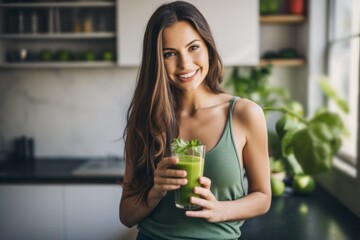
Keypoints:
pixel 186 45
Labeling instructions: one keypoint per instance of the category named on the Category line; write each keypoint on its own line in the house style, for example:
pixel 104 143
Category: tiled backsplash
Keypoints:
pixel 69 112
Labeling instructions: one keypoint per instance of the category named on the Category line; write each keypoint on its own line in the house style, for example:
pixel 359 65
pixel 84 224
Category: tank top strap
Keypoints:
pixel 231 107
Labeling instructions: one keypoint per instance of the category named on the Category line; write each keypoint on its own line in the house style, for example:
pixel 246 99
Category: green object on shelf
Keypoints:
pixel 89 56
pixel 269 6
pixel 288 53
pixel 271 55
pixel 108 55
pixel 46 55
pixel 64 55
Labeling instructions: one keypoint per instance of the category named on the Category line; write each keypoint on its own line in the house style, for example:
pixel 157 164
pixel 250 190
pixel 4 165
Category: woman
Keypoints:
pixel 178 94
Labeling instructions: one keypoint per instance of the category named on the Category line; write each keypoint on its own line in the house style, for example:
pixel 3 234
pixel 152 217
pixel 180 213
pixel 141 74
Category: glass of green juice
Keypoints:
pixel 192 160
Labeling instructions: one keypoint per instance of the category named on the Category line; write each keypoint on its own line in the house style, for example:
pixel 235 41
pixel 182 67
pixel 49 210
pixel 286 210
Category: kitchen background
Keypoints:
pixel 67 83
pixel 67 75
pixel 68 112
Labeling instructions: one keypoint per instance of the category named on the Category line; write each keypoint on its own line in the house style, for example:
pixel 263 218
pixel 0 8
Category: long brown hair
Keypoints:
pixel 152 118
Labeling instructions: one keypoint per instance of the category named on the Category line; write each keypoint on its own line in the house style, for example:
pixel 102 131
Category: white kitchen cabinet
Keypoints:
pixel 234 23
pixel 61 212
pixel 92 213
pixel 31 212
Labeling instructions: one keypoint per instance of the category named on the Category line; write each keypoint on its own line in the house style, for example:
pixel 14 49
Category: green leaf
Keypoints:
pixel 332 120
pixel 274 145
pixel 297 108
pixel 286 142
pixel 180 145
pixel 332 94
pixel 294 165
pixel 286 123
pixel 321 130
pixel 335 145
pixel 313 154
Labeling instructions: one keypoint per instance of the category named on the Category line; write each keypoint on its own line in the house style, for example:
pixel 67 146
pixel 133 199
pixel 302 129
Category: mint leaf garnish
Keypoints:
pixel 180 145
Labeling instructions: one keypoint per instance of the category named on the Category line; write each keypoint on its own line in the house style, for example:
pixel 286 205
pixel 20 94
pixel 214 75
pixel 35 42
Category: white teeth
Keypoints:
pixel 187 75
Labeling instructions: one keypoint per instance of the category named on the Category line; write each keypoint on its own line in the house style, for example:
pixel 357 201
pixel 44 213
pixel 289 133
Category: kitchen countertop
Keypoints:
pixel 59 170
pixel 317 216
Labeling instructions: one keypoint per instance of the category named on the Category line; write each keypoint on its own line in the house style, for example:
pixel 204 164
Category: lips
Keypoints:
pixel 185 77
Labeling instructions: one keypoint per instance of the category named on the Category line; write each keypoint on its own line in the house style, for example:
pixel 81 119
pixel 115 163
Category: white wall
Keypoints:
pixel 69 112
pixel 74 112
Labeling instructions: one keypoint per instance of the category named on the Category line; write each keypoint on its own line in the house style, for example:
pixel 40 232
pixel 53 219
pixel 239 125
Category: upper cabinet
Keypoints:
pixel 53 33
pixel 234 23
pixel 100 33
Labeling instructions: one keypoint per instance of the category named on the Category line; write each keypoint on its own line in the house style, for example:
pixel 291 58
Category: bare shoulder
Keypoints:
pixel 247 111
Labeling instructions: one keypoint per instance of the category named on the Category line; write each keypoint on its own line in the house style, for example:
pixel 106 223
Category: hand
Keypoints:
pixel 211 208
pixel 167 179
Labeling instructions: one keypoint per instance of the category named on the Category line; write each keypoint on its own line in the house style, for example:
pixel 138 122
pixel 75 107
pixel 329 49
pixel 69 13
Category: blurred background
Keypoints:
pixel 68 71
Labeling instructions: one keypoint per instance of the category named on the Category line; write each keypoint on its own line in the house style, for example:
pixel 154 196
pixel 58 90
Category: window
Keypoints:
pixel 343 67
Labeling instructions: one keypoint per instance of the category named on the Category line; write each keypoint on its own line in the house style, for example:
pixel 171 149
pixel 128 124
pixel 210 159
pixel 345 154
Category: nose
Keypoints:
pixel 184 61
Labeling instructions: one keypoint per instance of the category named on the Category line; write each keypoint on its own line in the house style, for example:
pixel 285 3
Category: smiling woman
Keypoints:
pixel 186 56
pixel 179 95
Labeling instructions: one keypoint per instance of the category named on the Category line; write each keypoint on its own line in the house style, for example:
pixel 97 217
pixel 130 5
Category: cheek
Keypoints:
pixel 204 59
pixel 169 68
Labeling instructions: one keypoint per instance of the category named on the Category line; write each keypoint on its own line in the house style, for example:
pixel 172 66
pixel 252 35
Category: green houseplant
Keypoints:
pixel 314 140
pixel 303 146
pixel 253 83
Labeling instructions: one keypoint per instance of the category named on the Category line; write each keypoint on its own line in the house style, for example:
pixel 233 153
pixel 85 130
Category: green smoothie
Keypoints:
pixel 194 166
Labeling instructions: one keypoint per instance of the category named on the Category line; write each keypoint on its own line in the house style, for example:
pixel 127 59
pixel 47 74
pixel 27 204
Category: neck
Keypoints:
pixel 191 101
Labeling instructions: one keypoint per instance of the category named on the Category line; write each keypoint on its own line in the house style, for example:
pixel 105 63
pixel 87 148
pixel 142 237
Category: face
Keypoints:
pixel 186 56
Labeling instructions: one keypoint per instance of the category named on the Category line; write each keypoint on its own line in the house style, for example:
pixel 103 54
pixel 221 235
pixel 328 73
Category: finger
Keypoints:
pixel 205 204
pixel 166 162
pixel 206 193
pixel 198 214
pixel 167 187
pixel 205 182
pixel 170 173
pixel 169 181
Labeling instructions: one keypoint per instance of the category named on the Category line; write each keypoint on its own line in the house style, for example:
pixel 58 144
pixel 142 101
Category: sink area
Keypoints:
pixel 107 167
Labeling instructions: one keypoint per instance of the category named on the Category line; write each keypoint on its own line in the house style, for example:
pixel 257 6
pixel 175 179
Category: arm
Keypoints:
pixel 131 211
pixel 250 118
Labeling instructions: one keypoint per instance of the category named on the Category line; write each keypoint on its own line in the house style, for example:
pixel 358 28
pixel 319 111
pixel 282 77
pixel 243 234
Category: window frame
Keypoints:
pixel 332 40
pixel 343 186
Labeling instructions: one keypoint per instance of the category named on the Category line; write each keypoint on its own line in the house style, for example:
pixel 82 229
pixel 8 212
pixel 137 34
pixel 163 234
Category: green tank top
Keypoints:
pixel 228 182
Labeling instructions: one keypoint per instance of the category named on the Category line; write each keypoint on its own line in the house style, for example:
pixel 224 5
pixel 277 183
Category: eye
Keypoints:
pixel 194 47
pixel 169 54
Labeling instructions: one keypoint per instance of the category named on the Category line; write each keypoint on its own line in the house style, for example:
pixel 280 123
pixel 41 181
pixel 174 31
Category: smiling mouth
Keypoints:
pixel 187 76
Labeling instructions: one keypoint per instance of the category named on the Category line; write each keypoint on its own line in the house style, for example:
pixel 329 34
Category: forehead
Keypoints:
pixel 179 34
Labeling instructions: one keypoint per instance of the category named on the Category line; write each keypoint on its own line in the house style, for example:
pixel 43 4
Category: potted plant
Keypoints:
pixel 253 83
pixel 302 146
pixel 310 143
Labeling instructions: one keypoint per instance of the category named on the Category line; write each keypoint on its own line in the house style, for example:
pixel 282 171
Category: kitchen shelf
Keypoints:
pixel 76 25
pixel 69 4
pixel 284 19
pixel 93 35
pixel 70 64
pixel 293 62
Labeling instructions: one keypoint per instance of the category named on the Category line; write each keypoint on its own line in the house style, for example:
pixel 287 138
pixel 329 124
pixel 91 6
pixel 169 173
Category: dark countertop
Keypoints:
pixel 45 171
pixel 318 216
